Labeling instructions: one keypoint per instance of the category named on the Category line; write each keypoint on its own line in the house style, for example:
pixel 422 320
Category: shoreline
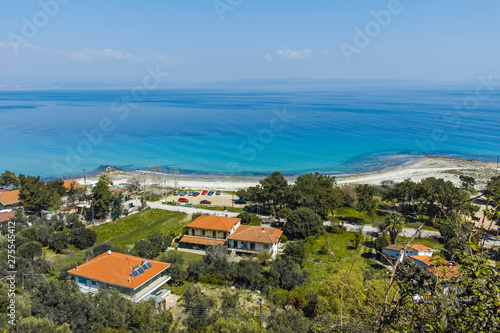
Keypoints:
pixel 416 169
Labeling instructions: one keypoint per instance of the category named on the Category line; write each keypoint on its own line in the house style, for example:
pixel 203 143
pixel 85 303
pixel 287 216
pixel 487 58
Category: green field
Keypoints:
pixel 128 230
pixel 351 215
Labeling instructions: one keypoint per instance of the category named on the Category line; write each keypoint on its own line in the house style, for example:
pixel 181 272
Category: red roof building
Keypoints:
pixel 9 199
pixel 135 278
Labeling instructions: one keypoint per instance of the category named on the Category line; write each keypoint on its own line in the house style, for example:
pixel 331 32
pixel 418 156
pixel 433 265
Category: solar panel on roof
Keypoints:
pixel 136 266
pixel 140 270
pixel 144 267
pixel 135 273
pixel 149 265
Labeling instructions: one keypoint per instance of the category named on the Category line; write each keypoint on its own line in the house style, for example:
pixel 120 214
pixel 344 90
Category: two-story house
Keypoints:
pixel 209 230
pixel 135 278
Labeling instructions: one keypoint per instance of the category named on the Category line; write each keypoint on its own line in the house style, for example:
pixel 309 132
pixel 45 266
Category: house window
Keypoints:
pixel 203 232
pixel 93 283
pixel 225 234
pixel 214 233
pixel 192 232
pixel 266 246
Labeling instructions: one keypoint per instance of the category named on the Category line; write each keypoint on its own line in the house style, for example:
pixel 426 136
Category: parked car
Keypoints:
pixel 210 192
pixel 204 192
pixel 217 193
pixel 205 202
pixel 246 208
pixel 195 194
pixel 240 201
pixel 183 200
pixel 176 192
pixel 183 193
pixel 190 193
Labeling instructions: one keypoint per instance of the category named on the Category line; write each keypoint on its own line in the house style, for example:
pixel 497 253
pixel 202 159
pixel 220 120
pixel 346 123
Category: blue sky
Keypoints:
pixel 116 40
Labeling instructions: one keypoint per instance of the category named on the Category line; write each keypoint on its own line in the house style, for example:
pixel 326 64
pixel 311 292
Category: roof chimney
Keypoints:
pixel 262 229
pixel 76 264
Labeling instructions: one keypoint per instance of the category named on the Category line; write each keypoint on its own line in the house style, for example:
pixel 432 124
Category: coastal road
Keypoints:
pixel 188 210
pixel 409 232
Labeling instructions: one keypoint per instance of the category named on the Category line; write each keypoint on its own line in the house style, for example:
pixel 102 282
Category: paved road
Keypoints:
pixel 409 232
pixel 188 210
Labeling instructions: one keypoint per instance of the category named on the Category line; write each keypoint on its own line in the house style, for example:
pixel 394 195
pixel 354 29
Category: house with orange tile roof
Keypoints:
pixel 5 216
pixel 135 278
pixel 69 182
pixel 252 239
pixel 9 200
pixel 442 271
pixel 209 230
pixel 394 252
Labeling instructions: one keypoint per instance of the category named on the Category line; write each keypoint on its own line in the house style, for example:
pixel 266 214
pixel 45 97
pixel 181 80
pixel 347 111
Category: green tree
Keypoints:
pixel 35 195
pixel 303 222
pixel 358 237
pixel 275 189
pixel 58 241
pixel 290 321
pixel 160 240
pixel 117 207
pixel 230 300
pixel 366 200
pixel 40 325
pixel 468 182
pixel 199 308
pixel 394 224
pixel 145 249
pixel 8 179
pixel 82 238
pixel 247 273
pixel 101 197
pixel 296 252
pixel 287 274
pixel 111 310
pixel 247 217
pixel 30 250
pixel 62 302
pixel 318 192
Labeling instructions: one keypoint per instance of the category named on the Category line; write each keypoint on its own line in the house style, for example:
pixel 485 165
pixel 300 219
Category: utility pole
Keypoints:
pixel 232 203
pixel 84 180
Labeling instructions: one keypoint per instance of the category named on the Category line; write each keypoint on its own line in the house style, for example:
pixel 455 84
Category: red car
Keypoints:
pixel 204 192
pixel 205 202
pixel 183 200
pixel 195 194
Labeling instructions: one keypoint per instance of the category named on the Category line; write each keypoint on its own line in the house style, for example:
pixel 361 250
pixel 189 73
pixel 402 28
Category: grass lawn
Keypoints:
pixel 220 208
pixel 351 215
pixel 417 225
pixel 128 230
pixel 188 257
pixel 322 267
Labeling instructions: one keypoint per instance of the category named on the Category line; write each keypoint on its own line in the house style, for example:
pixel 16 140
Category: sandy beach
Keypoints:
pixel 424 167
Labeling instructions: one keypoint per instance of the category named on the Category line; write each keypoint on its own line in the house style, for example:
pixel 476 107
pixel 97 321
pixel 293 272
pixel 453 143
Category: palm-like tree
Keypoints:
pixel 394 224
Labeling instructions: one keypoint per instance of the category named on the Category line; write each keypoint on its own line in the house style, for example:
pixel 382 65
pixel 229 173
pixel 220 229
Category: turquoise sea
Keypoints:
pixel 337 129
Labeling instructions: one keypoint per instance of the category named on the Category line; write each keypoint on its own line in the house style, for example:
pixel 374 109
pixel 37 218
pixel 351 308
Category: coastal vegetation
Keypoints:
pixel 325 278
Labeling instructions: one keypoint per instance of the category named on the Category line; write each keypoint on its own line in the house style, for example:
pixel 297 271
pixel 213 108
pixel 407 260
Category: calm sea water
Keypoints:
pixel 334 129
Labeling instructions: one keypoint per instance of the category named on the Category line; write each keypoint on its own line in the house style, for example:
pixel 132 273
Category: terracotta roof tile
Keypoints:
pixel 67 184
pixel 9 198
pixel 115 269
pixel 214 223
pixel 201 241
pixel 6 216
pixel 247 233
pixel 419 247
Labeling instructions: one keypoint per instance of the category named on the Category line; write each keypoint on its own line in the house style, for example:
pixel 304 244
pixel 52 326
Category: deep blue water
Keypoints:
pixel 334 129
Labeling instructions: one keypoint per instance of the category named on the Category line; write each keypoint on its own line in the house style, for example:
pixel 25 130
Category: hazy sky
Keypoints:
pixel 206 40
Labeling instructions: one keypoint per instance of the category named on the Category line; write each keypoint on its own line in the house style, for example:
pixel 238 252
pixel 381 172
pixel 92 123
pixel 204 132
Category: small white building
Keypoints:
pixel 393 252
